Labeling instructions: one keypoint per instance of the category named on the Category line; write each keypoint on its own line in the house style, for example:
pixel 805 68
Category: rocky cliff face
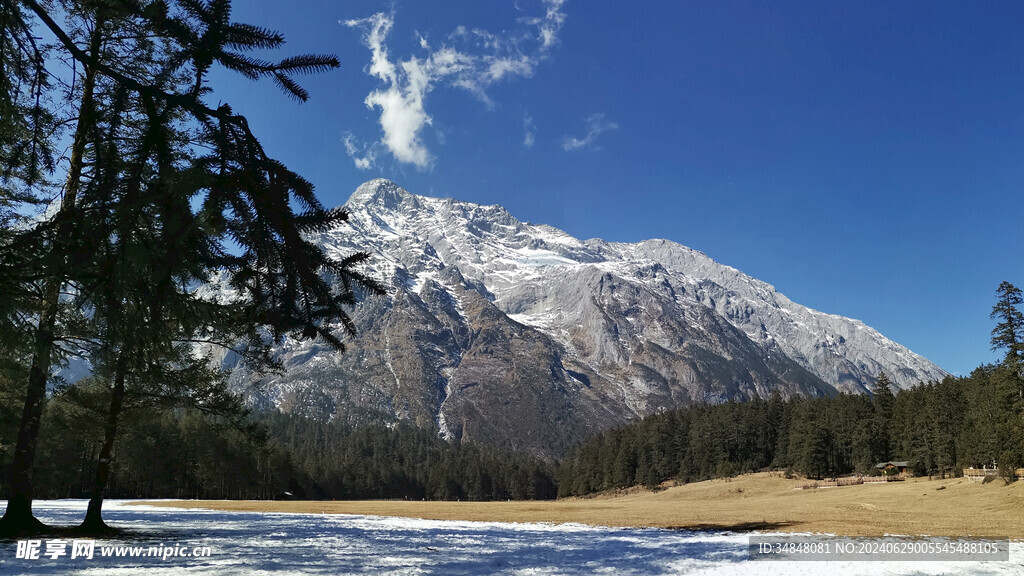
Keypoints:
pixel 505 332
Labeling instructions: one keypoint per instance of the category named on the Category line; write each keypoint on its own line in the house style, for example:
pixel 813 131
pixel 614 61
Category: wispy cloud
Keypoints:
pixel 551 23
pixel 529 131
pixel 596 125
pixel 471 59
pixel 365 157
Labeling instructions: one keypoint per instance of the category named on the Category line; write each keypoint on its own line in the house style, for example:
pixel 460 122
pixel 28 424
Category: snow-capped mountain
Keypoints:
pixel 501 331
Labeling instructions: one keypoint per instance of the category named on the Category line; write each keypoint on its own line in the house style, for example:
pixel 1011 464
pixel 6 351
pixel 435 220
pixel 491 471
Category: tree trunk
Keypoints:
pixel 18 518
pixel 93 522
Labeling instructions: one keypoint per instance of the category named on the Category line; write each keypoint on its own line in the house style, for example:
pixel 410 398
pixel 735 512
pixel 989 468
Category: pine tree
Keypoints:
pixel 882 397
pixel 27 124
pixel 1009 335
pixel 1009 332
pixel 35 288
pixel 883 400
pixel 288 285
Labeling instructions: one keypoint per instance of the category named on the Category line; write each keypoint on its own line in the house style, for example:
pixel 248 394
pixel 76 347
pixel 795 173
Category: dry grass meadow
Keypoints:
pixel 765 501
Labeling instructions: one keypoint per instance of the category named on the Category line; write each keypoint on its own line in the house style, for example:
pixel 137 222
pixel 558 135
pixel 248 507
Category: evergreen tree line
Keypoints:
pixel 939 428
pixel 336 460
pixel 187 452
pixel 184 453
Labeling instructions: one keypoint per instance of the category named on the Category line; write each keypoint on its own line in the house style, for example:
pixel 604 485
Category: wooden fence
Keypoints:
pixel 883 478
pixel 979 474
pixel 852 481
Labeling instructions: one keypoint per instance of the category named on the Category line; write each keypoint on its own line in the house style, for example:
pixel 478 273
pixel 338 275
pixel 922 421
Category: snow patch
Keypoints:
pixel 264 544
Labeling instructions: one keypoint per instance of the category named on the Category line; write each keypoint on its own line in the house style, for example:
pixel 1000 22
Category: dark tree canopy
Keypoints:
pixel 1008 333
pixel 163 194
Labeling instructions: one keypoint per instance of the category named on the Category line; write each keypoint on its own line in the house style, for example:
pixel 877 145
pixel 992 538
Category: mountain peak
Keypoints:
pixel 381 192
pixel 541 276
pixel 502 332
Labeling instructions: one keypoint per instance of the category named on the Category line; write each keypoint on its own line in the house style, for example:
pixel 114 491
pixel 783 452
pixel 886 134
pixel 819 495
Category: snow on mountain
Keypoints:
pixel 519 334
pixel 524 265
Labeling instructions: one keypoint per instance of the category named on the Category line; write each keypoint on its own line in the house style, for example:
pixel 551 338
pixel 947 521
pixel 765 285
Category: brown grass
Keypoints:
pixel 955 507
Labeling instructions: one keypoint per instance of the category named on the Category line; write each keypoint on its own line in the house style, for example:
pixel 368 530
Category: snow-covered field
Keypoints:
pixel 253 543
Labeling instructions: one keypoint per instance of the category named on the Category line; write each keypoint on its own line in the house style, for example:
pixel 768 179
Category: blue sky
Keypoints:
pixel 865 158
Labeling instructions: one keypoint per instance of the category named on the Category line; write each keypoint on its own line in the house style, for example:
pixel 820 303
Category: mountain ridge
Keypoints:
pixel 518 334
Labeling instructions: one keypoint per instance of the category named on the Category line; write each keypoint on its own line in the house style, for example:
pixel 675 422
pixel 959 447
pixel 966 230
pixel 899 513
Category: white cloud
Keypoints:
pixel 364 157
pixel 551 23
pixel 402 115
pixel 596 125
pixel 469 59
pixel 530 131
